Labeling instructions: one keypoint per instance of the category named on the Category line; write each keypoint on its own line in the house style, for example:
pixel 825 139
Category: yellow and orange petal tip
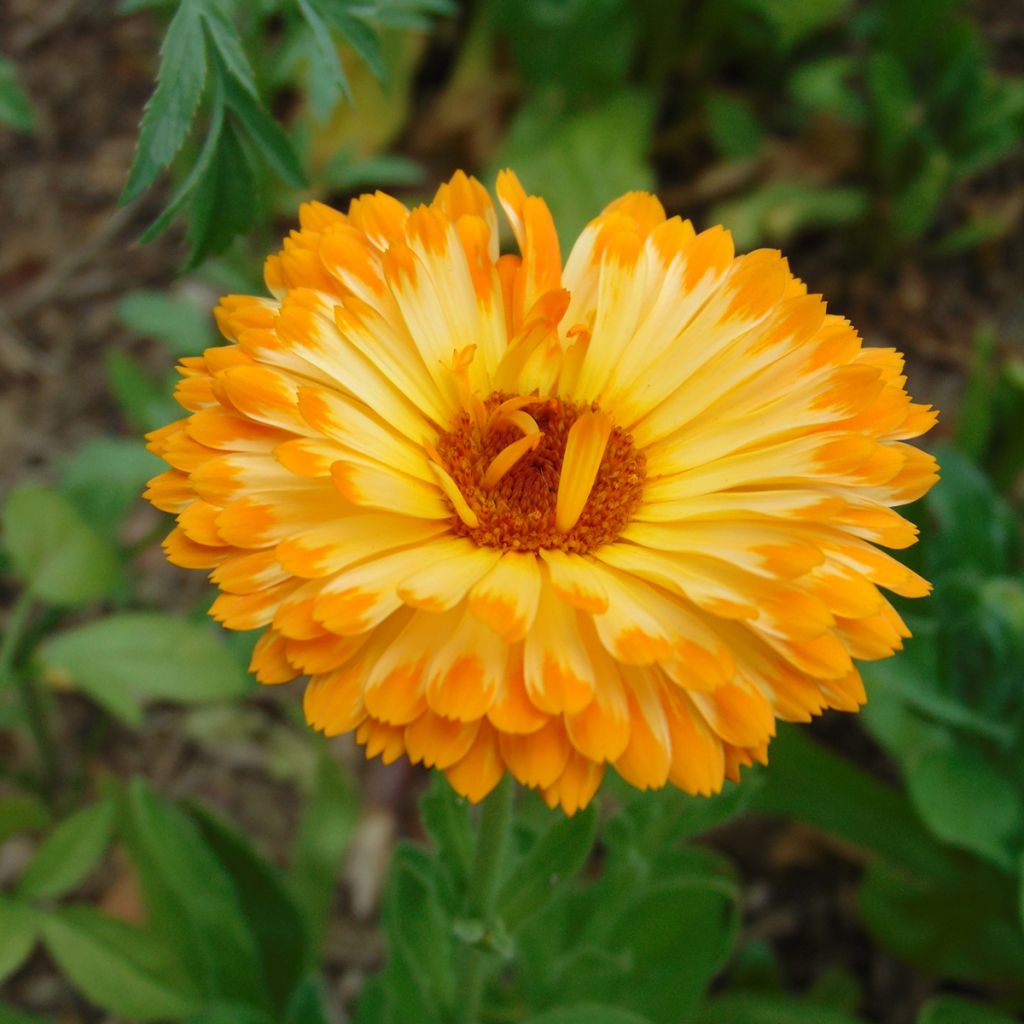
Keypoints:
pixel 514 514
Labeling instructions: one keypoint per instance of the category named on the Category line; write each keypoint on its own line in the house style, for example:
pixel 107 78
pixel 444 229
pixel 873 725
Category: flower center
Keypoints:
pixel 531 473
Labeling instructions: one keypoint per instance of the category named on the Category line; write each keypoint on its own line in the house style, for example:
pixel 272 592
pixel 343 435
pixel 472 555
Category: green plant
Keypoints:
pixel 216 86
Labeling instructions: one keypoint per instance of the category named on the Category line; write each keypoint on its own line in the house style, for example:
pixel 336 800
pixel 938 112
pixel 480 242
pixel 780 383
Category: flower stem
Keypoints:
pixel 491 843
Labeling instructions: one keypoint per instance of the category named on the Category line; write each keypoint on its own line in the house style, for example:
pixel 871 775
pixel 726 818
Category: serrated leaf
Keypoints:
pixel 173 105
pixel 53 552
pixel 327 79
pixel 15 108
pixel 362 38
pixel 266 134
pixel 224 202
pixel 19 929
pixel 70 853
pixel 124 659
pixel 199 170
pixel 120 968
pixel 228 44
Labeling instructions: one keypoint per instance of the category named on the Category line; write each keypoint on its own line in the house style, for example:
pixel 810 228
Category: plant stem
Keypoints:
pixel 491 843
pixel 36 712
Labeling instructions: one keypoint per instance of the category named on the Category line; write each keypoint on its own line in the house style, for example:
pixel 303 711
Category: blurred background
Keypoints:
pixel 875 870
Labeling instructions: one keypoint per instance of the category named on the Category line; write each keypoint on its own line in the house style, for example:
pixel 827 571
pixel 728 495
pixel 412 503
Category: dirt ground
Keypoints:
pixel 68 252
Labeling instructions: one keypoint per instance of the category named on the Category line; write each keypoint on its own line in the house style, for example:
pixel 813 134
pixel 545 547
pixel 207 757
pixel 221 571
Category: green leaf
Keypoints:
pixel 814 785
pixel 965 800
pixel 827 85
pixel 120 968
pixel 733 126
pixel 978 532
pixel 147 403
pixel 200 168
pixel 123 659
pixel 421 967
pixel 22 814
pixel 224 203
pixel 19 928
pixel 581 49
pixel 587 1013
pixel 52 551
pixel 976 416
pixel 551 864
pixel 306 1005
pixel 768 1008
pixel 778 211
pixel 676 937
pixel 953 1010
pixel 173 105
pixel 360 36
pixel 8 1015
pixel 228 44
pixel 70 853
pixel 917 204
pixel 327 79
pixel 958 922
pixel 895 112
pixel 266 134
pixel 178 322
pixel 581 163
pixel 15 109
pixel 273 917
pixel 446 820
pixel 327 827
pixel 793 21
pixel 192 898
pixel 104 479
pixel 230 1013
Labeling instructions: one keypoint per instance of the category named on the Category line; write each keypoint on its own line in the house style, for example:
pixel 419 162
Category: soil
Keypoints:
pixel 68 252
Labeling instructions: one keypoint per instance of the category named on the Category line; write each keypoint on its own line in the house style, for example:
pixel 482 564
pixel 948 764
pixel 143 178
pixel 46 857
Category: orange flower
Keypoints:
pixel 510 515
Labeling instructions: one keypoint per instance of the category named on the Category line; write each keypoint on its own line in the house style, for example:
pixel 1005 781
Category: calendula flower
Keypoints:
pixel 510 515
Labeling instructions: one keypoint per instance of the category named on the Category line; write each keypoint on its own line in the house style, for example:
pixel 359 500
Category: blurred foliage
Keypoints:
pixel 865 120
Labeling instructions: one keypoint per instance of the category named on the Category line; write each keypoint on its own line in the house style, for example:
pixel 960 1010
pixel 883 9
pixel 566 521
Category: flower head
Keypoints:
pixel 510 515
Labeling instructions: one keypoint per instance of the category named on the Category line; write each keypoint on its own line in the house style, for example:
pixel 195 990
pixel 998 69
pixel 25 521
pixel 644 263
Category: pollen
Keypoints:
pixel 508 469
